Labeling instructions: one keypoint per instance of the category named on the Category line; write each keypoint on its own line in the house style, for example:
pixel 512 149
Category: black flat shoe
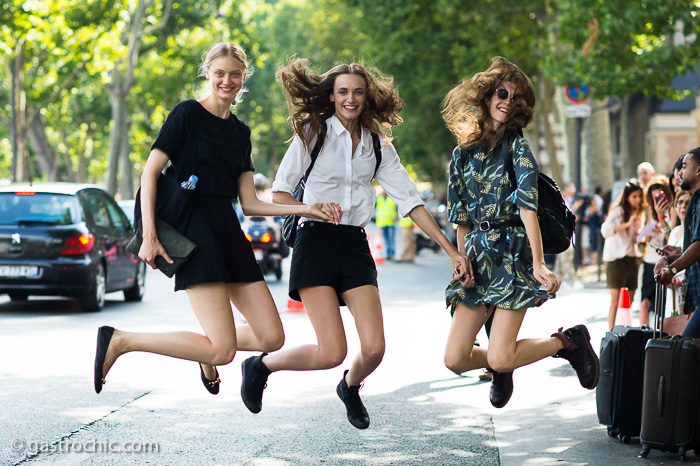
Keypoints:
pixel 104 336
pixel 212 386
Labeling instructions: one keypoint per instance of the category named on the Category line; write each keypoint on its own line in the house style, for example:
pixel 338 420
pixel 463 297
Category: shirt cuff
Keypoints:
pixel 282 187
pixel 409 204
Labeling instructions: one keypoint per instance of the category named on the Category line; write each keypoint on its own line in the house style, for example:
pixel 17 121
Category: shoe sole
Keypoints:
pixel 255 409
pixel 590 349
pixel 104 336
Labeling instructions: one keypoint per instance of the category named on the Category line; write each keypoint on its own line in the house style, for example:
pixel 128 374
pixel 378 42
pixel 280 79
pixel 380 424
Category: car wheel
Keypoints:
pixel 94 300
pixel 18 297
pixel 135 293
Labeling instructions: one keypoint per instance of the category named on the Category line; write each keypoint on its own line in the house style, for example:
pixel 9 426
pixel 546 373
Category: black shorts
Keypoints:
pixel 622 273
pixel 331 255
pixel 649 284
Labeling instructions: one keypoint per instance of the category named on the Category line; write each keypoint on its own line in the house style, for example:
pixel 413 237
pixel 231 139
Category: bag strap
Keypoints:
pixel 314 155
pixel 376 142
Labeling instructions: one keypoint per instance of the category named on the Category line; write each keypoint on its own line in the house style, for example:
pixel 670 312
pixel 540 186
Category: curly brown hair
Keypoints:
pixel 309 98
pixel 466 111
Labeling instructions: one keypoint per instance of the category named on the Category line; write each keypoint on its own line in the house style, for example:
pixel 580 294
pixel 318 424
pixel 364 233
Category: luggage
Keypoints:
pixel 671 401
pixel 619 392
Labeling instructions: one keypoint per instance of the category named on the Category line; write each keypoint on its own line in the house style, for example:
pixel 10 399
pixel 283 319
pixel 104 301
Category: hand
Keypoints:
pixel 635 222
pixel 462 269
pixel 671 250
pixel 659 267
pixel 152 249
pixel 661 207
pixel 327 211
pixel 665 277
pixel 546 277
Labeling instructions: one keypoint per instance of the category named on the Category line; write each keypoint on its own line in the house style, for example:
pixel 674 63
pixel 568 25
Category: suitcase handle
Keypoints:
pixel 660 397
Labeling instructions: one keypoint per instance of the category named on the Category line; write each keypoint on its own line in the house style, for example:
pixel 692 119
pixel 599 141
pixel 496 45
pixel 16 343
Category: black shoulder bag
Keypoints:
pixel 289 226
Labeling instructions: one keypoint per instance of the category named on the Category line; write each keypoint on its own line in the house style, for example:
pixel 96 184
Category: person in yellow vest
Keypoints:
pixel 386 221
pixel 408 252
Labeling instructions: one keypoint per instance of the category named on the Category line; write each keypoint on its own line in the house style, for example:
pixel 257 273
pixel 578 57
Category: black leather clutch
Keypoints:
pixel 177 245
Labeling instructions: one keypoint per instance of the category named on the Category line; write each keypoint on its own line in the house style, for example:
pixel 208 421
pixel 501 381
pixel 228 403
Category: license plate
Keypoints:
pixel 19 271
pixel 258 254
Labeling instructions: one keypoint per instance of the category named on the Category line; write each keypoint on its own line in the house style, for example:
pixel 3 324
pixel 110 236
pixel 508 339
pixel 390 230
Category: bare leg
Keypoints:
pixel 217 347
pixel 321 304
pixel 263 331
pixel 644 311
pixel 505 353
pixel 366 309
pixel 614 299
pixel 460 353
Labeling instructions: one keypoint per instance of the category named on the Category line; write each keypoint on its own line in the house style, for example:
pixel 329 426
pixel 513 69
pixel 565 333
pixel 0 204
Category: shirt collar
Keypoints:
pixel 338 129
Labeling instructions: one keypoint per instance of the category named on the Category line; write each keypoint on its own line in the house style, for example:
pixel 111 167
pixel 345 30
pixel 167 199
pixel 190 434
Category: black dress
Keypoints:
pixel 217 151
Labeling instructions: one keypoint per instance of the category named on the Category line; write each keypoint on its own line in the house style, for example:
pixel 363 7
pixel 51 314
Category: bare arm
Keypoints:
pixel 534 235
pixel 688 258
pixel 461 267
pixel 251 205
pixel 151 247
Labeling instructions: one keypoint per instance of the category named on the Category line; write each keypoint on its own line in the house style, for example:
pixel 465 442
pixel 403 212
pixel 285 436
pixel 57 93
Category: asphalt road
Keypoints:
pixel 421 413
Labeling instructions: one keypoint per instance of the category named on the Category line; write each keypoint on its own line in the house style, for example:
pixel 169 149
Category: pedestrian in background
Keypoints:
pixel 689 258
pixel 408 248
pixel 675 240
pixel 595 220
pixel 332 265
pixel 657 198
pixel 645 172
pixel 620 252
pixel 386 214
pixel 498 231
pixel 203 135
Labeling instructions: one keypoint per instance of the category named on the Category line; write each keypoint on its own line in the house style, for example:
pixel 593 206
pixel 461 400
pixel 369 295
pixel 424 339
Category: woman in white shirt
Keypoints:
pixel 332 264
pixel 675 239
pixel 620 252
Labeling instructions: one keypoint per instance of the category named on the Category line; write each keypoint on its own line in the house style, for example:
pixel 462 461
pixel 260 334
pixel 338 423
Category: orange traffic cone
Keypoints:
pixel 294 306
pixel 378 254
pixel 624 313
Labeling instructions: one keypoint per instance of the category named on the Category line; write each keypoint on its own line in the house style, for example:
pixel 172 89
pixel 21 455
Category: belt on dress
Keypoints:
pixel 488 226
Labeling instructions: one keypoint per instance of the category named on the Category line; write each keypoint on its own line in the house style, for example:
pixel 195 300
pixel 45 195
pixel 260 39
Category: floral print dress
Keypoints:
pixel 481 190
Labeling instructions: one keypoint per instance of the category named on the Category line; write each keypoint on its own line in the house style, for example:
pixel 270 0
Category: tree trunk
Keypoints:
pixel 598 151
pixel 46 157
pixel 126 169
pixel 19 115
pixel 117 99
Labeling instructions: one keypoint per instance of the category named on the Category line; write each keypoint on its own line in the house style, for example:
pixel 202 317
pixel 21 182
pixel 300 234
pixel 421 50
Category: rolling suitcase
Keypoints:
pixel 671 401
pixel 619 392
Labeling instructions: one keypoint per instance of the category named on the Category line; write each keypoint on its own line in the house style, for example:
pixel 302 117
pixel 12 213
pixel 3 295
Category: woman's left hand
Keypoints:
pixel 546 277
pixel 462 269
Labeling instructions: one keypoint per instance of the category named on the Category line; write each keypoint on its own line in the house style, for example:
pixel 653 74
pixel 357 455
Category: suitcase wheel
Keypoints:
pixel 626 439
pixel 645 450
pixel 612 432
pixel 681 453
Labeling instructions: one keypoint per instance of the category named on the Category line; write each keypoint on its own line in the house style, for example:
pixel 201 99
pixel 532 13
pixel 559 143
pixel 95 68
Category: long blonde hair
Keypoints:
pixel 467 114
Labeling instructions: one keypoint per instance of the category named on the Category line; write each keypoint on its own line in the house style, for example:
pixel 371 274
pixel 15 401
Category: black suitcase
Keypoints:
pixel 671 402
pixel 619 392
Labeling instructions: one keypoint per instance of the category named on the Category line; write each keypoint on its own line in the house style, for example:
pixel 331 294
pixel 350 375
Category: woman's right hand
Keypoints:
pixel 150 249
pixel 634 222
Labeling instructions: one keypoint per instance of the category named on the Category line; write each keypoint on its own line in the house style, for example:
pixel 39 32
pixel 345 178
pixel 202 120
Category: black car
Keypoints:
pixel 66 239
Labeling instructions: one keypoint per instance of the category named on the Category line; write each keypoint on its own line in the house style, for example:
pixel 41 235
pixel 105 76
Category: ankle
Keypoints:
pixel 561 339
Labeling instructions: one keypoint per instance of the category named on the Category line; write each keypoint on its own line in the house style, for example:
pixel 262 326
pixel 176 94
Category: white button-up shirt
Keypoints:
pixel 345 178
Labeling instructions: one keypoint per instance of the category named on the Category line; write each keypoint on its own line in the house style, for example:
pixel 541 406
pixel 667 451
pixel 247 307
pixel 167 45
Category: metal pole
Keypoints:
pixel 578 251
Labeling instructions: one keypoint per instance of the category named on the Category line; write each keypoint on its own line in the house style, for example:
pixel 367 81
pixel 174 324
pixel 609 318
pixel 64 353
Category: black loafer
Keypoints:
pixel 212 386
pixel 581 356
pixel 356 411
pixel 104 336
pixel 501 388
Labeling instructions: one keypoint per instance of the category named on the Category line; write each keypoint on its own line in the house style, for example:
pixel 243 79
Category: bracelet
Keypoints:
pixel 666 229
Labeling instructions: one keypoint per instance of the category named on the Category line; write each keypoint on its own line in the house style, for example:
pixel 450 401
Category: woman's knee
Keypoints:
pixel 222 355
pixel 331 357
pixel 272 341
pixel 373 352
pixel 500 362
pixel 455 363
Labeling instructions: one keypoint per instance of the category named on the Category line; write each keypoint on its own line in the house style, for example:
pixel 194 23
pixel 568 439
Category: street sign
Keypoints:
pixel 577 94
pixel 578 111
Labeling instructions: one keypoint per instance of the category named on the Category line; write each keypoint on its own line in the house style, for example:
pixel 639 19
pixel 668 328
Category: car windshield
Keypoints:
pixel 38 208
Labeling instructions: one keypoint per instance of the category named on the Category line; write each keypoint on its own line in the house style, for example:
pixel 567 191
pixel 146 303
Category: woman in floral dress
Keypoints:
pixel 498 230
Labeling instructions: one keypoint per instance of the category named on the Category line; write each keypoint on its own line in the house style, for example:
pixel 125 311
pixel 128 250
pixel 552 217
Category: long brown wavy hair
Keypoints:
pixel 466 111
pixel 623 201
pixel 309 98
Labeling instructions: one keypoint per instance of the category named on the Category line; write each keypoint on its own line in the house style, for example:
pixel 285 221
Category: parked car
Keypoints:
pixel 127 206
pixel 66 239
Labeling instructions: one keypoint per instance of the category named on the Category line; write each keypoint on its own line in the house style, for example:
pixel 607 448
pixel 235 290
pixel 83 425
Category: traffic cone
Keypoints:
pixel 624 313
pixel 378 254
pixel 294 306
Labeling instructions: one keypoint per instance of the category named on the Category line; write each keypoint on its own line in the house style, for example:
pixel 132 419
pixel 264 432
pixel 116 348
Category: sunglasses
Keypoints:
pixel 503 95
